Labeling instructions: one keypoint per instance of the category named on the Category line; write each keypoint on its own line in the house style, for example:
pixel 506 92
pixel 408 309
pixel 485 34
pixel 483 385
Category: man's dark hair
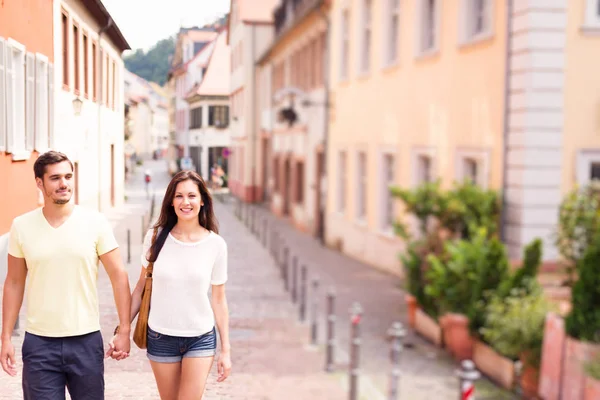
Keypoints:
pixel 48 158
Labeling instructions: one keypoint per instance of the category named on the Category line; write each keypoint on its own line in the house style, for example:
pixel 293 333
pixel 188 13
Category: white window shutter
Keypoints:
pixel 10 105
pixel 29 101
pixel 41 103
pixel 2 94
pixel 51 139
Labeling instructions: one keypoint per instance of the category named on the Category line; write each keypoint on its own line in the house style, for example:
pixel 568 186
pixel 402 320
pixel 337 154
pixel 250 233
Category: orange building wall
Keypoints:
pixel 29 22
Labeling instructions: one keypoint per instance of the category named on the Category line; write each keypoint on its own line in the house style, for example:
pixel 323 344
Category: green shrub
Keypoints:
pixel 583 322
pixel 514 325
pixel 532 258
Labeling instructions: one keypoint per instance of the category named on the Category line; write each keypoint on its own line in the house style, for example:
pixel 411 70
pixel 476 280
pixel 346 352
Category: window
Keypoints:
pixel 470 170
pixel 424 168
pixel 218 116
pixel 86 78
pixel 29 101
pixel 588 166
pixel 341 194
pixel 3 99
pixel 65 49
pixel 114 86
pixel 41 102
pixel 429 22
pixel 592 14
pixel 76 58
pixel 361 186
pixel 299 182
pixel 196 118
pixel 394 25
pixel 15 99
pixel 476 19
pixel 595 171
pixel 94 73
pixel 345 45
pixel 367 34
pixel 387 177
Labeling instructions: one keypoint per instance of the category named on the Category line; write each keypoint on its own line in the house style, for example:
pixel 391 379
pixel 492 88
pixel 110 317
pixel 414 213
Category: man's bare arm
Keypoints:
pixel 12 299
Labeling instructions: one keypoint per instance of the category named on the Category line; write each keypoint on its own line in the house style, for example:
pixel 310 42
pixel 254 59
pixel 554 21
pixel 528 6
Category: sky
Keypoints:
pixel 145 22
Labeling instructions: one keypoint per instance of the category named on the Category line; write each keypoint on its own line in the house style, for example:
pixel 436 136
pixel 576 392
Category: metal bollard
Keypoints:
pixel 315 304
pixel 294 279
pixel 356 314
pixel 128 246
pixel 467 376
pixel 143 227
pixel 285 265
pixel 303 293
pixel 329 355
pixel 396 333
pixel 518 372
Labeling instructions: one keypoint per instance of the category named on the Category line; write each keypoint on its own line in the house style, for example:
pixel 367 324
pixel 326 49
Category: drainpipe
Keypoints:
pixel 503 211
pixel 98 99
pixel 254 128
pixel 323 177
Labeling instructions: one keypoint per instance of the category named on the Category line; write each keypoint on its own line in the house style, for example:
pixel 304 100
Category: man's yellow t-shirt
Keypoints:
pixel 62 270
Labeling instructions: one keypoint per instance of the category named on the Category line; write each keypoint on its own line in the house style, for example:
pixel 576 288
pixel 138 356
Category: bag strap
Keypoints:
pixel 150 266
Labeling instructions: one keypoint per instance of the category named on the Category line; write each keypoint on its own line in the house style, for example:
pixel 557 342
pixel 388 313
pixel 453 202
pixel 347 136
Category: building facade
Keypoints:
pixel 250 33
pixel 294 113
pixel 89 100
pixel 459 90
pixel 26 87
pixel 209 136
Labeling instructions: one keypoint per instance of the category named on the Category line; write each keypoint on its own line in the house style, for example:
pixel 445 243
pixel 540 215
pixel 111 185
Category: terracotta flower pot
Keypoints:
pixel 592 389
pixel 530 377
pixel 411 307
pixel 494 365
pixel 457 338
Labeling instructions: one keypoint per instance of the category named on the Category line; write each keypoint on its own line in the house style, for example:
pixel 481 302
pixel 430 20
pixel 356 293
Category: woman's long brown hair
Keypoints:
pixel 168 218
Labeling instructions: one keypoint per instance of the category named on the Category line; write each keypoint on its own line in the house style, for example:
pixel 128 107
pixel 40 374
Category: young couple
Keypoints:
pixel 57 247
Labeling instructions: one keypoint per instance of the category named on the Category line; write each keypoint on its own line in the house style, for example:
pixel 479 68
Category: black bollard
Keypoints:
pixel 303 293
pixel 396 333
pixel 128 246
pixel 329 355
pixel 356 314
pixel 294 279
pixel 315 304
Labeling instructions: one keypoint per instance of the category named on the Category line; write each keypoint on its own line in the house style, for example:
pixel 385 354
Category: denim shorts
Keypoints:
pixel 169 349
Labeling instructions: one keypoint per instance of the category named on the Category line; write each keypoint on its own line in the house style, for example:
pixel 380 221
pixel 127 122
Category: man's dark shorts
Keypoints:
pixel 51 364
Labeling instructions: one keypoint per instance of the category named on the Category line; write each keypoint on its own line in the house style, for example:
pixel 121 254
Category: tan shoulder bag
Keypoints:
pixel 140 333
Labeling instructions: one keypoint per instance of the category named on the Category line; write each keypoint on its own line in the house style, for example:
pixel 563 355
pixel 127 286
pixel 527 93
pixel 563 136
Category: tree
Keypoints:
pixel 153 65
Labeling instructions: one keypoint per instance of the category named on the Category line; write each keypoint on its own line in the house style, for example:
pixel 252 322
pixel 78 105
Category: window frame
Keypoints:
pixel 467 34
pixel 16 136
pixel 482 159
pixel 421 26
pixel 417 154
pixel 362 179
pixel 584 160
pixel 387 209
pixel 345 24
pixel 591 21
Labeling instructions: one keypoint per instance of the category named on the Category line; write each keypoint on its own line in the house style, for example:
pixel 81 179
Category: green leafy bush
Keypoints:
pixel 514 325
pixel 583 322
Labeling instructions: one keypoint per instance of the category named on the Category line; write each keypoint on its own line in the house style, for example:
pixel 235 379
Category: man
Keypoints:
pixel 57 248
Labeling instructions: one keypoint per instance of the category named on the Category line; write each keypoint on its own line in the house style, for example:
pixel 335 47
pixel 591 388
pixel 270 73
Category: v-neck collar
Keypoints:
pixel 61 225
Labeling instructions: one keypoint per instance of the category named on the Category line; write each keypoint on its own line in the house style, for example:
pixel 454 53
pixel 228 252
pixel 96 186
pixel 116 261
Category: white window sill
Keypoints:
pixel 592 29
pixel 476 39
pixel 20 155
pixel 424 54
pixel 361 222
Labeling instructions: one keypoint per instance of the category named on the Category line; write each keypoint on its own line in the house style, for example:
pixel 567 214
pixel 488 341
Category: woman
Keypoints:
pixel 189 256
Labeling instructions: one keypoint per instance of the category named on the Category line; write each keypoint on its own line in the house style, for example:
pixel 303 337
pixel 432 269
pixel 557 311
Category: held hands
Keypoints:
pixel 119 346
pixel 224 366
pixel 7 358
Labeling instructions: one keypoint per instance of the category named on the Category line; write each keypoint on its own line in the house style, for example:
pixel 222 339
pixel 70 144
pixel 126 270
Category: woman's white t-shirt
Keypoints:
pixel 182 275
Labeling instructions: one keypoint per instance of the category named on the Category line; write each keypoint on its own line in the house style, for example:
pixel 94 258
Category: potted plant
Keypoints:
pixel 582 324
pixel 514 326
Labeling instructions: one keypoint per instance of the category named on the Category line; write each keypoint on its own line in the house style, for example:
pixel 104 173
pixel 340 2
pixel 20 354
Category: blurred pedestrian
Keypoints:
pixel 184 256
pixel 57 248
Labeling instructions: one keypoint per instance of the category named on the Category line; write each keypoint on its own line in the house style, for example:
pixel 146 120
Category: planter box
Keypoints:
pixel 530 379
pixel 428 327
pixel 494 365
pixel 551 369
pixel 574 377
pixel 592 389
pixel 456 336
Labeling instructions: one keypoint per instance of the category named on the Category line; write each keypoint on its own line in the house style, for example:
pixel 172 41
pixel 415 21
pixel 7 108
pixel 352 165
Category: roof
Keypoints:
pixel 216 80
pixel 183 67
pixel 200 35
pixel 101 15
